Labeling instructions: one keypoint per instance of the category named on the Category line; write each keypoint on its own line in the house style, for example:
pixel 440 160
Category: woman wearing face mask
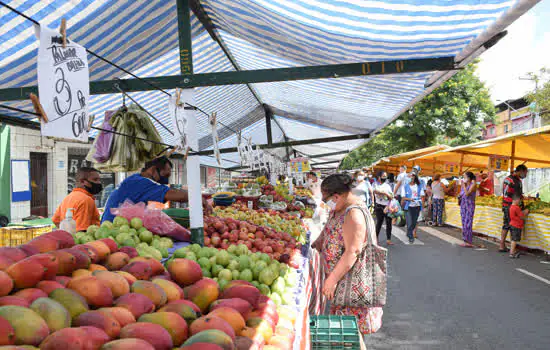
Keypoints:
pixel 383 195
pixel 467 199
pixel 363 188
pixel 413 193
pixel 343 237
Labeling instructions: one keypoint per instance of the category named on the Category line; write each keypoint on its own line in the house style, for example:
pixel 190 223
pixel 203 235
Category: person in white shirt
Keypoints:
pixel 402 179
pixel 383 195
pixel 363 188
pixel 413 194
pixel 438 200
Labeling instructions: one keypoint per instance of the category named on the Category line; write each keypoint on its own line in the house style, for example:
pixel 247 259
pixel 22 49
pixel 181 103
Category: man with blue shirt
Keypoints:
pixel 148 186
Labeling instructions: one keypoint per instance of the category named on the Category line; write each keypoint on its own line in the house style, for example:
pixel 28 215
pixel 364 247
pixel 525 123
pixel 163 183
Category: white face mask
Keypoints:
pixel 360 178
pixel 331 204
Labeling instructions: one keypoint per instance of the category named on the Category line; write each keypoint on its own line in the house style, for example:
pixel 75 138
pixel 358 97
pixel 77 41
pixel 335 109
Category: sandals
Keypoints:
pixel 467 245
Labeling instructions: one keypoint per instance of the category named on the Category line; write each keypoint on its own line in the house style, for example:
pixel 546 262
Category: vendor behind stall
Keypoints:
pixel 149 185
pixel 81 199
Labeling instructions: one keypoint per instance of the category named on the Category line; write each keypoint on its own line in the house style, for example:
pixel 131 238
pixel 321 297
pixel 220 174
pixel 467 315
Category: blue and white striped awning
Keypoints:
pixel 142 37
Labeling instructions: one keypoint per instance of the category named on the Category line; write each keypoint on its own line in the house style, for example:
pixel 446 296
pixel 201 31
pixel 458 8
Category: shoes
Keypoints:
pixel 411 241
pixel 514 256
pixel 388 242
pixel 505 250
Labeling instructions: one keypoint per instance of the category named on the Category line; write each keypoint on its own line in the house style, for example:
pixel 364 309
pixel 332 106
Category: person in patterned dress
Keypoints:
pixel 340 242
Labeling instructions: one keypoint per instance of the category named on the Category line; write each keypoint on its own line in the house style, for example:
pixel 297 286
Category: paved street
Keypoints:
pixel 443 296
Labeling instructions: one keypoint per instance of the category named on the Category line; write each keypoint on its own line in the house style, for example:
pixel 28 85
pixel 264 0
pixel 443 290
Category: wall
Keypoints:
pixel 23 142
pixel 5 170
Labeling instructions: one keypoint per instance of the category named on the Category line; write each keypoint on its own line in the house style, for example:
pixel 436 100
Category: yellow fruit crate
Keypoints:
pixel 12 236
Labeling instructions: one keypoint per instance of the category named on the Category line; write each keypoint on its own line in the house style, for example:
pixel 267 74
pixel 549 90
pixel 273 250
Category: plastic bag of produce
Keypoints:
pixel 104 141
pixel 154 220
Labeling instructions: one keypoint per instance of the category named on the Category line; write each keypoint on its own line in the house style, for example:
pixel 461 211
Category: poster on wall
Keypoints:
pixel 20 180
pixel 499 163
pixel 63 86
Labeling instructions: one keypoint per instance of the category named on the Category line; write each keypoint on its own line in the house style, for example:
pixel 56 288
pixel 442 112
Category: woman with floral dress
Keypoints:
pixel 341 240
pixel 468 207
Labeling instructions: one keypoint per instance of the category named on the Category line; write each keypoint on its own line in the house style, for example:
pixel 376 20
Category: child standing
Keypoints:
pixel 517 222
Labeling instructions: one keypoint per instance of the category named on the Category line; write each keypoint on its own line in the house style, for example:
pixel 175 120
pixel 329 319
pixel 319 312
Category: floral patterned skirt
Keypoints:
pixel 369 319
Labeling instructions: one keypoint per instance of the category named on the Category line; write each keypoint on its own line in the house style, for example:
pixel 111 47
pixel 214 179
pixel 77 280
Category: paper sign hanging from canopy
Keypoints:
pixel 300 165
pixel 63 86
pixel 500 163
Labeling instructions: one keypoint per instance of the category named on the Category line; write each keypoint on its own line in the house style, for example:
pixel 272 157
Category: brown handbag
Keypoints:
pixel 365 284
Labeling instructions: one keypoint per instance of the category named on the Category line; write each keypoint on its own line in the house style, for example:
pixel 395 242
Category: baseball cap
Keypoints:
pixel 416 169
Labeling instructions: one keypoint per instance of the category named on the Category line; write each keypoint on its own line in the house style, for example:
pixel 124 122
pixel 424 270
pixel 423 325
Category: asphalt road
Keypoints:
pixel 443 296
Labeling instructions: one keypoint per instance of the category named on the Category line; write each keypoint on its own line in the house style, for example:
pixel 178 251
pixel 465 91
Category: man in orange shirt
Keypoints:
pixel 81 199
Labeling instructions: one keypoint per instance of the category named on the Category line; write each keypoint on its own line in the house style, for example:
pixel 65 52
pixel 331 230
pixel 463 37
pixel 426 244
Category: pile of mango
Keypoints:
pixel 58 295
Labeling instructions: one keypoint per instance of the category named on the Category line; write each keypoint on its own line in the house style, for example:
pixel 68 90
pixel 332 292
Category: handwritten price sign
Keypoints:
pixel 63 86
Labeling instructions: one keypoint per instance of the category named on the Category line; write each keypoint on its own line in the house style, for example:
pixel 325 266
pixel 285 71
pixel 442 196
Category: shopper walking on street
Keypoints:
pixel 343 238
pixel 467 199
pixel 383 195
pixel 438 200
pixel 413 193
pixel 362 188
pixel 401 180
pixel 512 186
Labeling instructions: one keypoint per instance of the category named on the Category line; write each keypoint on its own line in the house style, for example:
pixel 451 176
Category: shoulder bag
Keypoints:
pixel 365 284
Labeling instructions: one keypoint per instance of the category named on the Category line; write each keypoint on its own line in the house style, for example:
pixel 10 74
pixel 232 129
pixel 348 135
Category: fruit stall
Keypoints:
pixel 124 285
pixel 500 154
pixel 488 220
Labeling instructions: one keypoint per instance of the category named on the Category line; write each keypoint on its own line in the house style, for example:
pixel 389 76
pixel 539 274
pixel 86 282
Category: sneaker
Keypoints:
pixel 514 256
pixel 411 241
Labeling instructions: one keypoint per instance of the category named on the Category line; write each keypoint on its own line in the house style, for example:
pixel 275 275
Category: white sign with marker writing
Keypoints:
pixel 63 86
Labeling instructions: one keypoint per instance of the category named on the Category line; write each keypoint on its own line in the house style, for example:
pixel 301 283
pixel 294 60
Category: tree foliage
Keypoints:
pixel 452 114
pixel 541 96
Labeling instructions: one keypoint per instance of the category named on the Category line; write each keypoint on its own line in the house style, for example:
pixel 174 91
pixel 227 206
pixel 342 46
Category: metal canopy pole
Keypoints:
pixel 193 161
pixel 268 116
pixel 189 80
pixel 290 143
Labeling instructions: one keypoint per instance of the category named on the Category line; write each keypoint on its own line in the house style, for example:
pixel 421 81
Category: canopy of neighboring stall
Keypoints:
pixel 526 147
pixel 392 163
pixel 230 36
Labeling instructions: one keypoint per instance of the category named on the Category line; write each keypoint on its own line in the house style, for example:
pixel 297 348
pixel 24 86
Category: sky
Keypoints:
pixel 519 52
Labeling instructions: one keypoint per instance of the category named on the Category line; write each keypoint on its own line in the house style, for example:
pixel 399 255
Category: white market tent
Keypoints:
pixel 422 42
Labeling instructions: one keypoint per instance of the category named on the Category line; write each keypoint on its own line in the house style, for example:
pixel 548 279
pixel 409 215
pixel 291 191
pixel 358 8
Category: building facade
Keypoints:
pixel 512 116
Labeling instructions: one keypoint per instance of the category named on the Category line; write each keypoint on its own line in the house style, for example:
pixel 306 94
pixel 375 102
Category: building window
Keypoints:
pixel 506 129
pixel 492 131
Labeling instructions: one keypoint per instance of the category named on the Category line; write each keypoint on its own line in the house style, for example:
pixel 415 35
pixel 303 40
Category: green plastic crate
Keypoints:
pixel 334 332
pixel 179 215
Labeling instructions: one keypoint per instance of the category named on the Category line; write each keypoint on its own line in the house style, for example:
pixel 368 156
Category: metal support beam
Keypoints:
pixel 289 144
pixel 251 76
pixel 325 163
pixel 326 154
pixel 268 116
pixel 186 44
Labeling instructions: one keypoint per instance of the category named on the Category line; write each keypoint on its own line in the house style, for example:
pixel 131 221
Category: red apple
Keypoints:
pixel 267 250
pixel 216 240
pixel 207 241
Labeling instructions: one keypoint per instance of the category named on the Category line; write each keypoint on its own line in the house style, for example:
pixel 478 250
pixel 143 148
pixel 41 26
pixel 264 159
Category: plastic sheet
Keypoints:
pixel 154 220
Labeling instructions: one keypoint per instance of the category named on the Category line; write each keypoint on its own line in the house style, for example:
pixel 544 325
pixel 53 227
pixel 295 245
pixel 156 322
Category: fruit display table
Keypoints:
pixel 302 295
pixel 488 221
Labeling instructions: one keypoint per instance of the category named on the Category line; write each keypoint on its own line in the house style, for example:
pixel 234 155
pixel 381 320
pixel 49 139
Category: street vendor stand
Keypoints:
pixel 531 148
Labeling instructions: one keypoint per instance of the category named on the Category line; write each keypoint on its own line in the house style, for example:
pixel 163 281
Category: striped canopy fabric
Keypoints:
pixel 142 37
